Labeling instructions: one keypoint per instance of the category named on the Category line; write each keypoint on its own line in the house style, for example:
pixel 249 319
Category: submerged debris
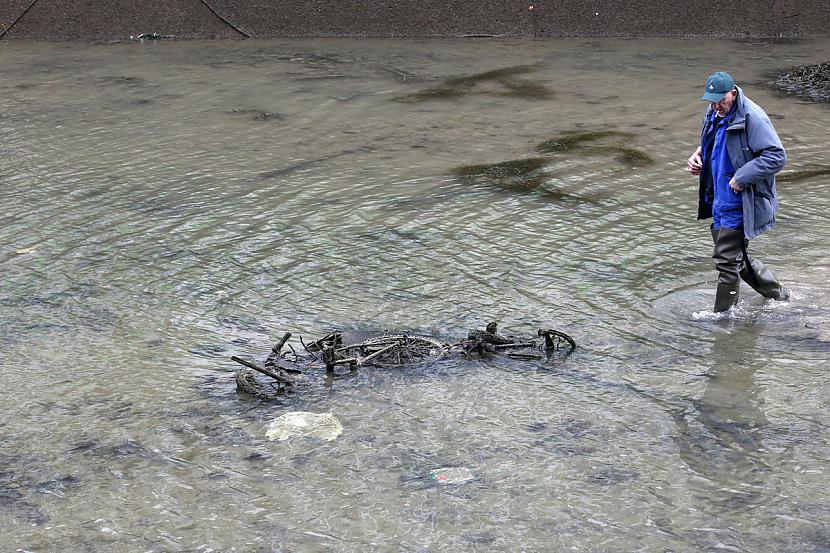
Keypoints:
pixel 256 114
pixel 151 36
pixel 811 82
pixel 283 368
pixel 390 350
pixel 451 475
pixel 247 382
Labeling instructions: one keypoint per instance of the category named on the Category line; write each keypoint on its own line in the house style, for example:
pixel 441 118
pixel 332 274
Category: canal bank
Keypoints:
pixel 121 19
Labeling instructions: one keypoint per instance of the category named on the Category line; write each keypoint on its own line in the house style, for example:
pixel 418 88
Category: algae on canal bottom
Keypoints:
pixel 570 141
pixel 605 142
pixel 803 174
pixel 519 175
pixel 456 87
pixel 630 157
pixel 528 174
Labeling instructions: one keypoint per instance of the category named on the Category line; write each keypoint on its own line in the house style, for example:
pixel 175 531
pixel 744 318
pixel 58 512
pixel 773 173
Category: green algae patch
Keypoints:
pixel 530 174
pixel 518 175
pixel 804 174
pixel 570 141
pixel 505 79
pixel 606 142
pixel 513 168
pixel 493 75
pixel 436 93
pixel 550 192
pixel 525 88
pixel 633 157
pixel 630 157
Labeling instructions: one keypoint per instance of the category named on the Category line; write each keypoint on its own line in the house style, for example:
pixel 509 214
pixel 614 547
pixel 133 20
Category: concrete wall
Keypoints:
pixel 118 19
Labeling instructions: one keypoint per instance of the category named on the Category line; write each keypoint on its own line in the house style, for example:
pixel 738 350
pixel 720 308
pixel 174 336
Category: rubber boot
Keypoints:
pixel 726 296
pixel 750 270
pixel 728 257
pixel 763 280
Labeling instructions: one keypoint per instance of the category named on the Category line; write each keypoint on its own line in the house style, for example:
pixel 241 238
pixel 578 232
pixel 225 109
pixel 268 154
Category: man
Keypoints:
pixel 737 159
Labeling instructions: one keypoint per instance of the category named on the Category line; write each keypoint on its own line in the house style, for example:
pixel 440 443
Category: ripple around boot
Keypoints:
pixel 783 295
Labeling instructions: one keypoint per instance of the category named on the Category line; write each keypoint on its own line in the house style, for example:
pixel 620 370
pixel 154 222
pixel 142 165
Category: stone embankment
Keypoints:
pixel 120 19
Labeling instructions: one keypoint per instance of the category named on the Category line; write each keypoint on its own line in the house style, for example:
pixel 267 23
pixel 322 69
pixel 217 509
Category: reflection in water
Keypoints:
pixel 731 404
pixel 722 435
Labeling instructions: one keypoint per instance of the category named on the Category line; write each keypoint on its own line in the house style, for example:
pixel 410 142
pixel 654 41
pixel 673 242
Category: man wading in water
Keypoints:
pixel 737 159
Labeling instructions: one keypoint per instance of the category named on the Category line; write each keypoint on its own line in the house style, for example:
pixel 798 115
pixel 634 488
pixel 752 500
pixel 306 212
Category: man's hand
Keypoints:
pixel 735 185
pixel 695 163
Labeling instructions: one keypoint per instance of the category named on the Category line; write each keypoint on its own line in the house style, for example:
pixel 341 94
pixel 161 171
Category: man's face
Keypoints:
pixel 725 103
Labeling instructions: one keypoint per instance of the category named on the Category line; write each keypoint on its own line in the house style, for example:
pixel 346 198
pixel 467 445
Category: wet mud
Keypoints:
pixel 570 141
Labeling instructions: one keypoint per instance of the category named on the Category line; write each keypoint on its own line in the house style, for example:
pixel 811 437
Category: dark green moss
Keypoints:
pixel 550 193
pixel 634 158
pixel 526 89
pixel 525 183
pixel 513 168
pixel 572 140
pixel 607 142
pixel 804 174
pixel 437 93
pixel 122 80
pixel 458 86
pixel 495 75
pixel 518 175
pixel 631 157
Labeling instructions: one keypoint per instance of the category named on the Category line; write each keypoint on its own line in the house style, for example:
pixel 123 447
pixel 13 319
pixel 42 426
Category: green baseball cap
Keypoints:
pixel 717 85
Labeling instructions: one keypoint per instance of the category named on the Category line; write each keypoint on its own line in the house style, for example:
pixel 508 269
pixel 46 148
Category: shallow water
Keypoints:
pixel 168 205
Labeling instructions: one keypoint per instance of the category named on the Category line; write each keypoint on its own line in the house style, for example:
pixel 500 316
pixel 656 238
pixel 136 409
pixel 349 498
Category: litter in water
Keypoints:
pixel 451 475
pixel 324 426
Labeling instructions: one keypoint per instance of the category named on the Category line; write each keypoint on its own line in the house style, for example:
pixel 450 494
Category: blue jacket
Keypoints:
pixel 757 155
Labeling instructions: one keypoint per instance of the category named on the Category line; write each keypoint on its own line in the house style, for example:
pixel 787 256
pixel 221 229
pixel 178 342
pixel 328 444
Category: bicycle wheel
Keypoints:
pixel 396 350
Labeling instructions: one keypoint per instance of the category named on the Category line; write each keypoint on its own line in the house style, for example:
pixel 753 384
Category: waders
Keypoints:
pixel 734 264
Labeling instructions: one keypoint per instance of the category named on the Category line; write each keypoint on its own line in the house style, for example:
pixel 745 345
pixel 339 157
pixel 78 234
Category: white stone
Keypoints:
pixel 324 426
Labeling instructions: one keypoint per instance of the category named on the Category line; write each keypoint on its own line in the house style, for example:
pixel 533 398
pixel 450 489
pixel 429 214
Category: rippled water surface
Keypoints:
pixel 168 205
